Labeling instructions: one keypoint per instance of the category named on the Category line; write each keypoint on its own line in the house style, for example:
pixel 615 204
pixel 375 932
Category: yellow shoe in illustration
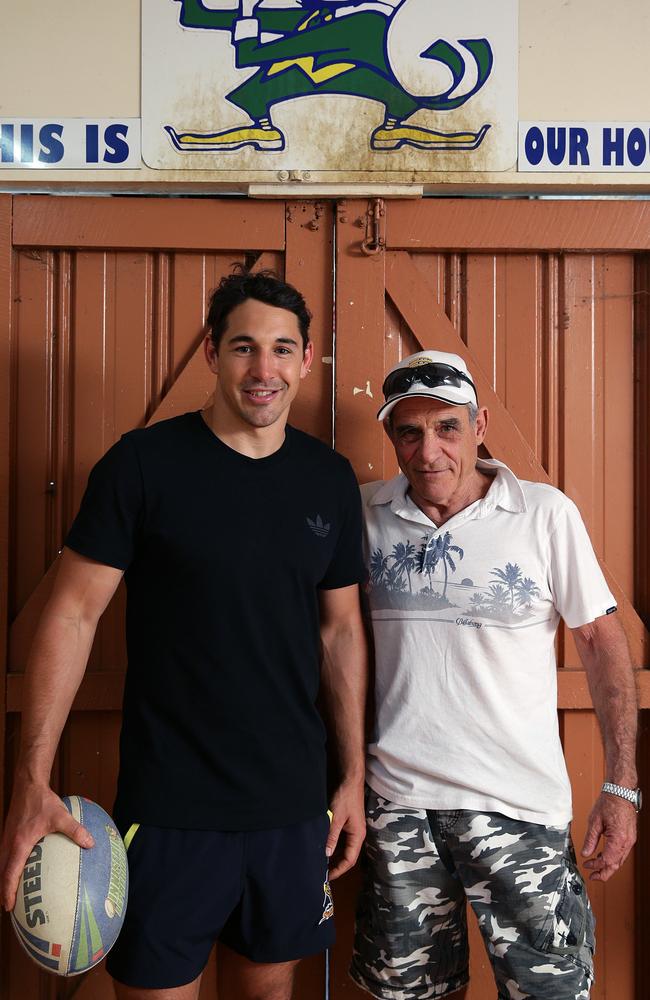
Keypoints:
pixel 395 135
pixel 259 136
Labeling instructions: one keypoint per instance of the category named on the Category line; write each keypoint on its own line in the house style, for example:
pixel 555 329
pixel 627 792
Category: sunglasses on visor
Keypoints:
pixel 431 375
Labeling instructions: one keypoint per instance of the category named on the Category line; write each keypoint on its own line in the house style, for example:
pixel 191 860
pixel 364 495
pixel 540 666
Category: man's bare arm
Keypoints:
pixel 605 655
pixel 344 678
pixel 56 665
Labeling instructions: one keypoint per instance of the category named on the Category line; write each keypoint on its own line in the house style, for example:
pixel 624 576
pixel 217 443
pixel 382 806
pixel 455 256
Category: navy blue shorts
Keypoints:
pixel 264 893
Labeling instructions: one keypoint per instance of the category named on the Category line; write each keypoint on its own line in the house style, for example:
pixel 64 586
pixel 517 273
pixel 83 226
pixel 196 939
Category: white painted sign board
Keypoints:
pixel 395 87
pixel 70 143
pixel 572 147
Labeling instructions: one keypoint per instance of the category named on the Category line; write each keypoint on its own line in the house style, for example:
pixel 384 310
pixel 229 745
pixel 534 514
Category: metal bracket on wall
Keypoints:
pixel 375 241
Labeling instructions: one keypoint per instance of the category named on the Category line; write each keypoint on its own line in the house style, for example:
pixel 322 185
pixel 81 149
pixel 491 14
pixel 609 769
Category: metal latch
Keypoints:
pixel 375 241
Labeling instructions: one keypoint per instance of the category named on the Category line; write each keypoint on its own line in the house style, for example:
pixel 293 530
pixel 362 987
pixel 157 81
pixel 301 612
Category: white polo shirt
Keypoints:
pixel 464 619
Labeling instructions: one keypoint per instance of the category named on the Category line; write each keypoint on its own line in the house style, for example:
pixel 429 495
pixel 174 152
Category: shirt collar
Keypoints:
pixel 504 492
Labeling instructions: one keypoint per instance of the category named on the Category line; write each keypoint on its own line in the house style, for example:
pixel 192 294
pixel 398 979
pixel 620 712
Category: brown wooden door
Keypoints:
pixel 547 303
pixel 101 307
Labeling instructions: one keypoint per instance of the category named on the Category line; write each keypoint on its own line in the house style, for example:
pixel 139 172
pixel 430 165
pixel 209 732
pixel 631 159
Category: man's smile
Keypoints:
pixel 262 394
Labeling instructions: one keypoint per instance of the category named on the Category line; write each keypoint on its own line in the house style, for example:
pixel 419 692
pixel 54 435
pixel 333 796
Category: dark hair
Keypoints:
pixel 265 286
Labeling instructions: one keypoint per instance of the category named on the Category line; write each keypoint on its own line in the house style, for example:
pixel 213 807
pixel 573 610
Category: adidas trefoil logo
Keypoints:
pixel 317 526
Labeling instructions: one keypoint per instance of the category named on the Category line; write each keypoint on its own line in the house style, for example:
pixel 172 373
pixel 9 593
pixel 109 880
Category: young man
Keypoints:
pixel 470 571
pixel 239 540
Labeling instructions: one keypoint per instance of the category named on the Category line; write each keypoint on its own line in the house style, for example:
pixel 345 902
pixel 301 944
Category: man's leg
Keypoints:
pixel 285 912
pixel 411 932
pixel 188 992
pixel 530 899
pixel 183 886
pixel 240 979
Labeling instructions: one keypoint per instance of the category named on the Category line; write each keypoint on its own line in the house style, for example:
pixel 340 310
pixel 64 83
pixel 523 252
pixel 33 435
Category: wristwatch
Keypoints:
pixel 632 795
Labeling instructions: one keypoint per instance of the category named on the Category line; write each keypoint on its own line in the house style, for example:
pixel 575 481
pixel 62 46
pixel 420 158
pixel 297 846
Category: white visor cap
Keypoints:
pixel 458 395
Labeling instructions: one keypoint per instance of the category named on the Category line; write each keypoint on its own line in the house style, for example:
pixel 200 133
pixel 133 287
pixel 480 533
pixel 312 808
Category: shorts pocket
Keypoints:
pixel 570 927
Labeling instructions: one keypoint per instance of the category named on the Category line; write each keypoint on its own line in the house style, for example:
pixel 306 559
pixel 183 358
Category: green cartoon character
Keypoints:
pixel 331 47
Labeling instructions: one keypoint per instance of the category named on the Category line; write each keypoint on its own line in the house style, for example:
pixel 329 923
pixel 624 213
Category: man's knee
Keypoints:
pixel 265 993
pixel 260 991
pixel 240 979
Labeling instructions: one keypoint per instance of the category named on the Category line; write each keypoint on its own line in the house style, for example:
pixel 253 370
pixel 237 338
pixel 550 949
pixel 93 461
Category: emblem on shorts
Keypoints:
pixel 317 526
pixel 328 902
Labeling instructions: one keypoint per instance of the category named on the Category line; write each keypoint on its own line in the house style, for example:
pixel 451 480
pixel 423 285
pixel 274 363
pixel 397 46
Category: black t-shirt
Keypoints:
pixel 223 557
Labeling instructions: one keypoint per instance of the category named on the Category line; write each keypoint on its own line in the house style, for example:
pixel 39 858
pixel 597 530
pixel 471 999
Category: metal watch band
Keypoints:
pixel 632 795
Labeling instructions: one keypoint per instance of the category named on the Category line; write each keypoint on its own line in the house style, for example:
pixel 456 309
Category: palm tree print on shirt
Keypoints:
pixel 391 575
pixel 403 560
pixel 508 597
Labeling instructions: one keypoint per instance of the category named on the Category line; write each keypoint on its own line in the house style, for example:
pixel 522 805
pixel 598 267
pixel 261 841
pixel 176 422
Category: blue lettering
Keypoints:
pixel 636 147
pixel 612 145
pixel 117 150
pixel 556 145
pixel 578 142
pixel 51 147
pixel 26 143
pixel 534 145
pixel 92 143
pixel 6 143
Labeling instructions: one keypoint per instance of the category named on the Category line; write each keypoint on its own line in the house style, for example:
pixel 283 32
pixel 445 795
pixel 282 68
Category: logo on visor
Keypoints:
pixel 420 361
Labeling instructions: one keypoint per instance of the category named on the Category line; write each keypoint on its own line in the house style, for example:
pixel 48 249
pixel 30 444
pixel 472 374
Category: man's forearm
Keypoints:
pixel 604 652
pixel 54 672
pixel 344 681
pixel 58 658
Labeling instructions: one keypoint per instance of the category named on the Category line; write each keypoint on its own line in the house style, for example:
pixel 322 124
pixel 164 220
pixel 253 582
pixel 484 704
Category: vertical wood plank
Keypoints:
pixel 308 266
pixel 520 331
pixel 619 492
pixel 579 423
pixel 642 583
pixel 642 433
pixel 61 497
pixel 360 347
pixel 550 310
pixel 581 430
pixel 94 429
pixel 31 417
pixel 480 313
pixel 6 348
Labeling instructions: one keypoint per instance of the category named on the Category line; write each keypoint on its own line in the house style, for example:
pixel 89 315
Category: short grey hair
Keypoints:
pixel 472 412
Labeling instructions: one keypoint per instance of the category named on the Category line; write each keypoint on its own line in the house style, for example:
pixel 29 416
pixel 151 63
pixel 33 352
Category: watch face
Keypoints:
pixel 639 799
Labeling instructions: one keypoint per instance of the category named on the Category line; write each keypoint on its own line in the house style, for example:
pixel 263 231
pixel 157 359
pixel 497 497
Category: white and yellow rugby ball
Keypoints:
pixel 71 901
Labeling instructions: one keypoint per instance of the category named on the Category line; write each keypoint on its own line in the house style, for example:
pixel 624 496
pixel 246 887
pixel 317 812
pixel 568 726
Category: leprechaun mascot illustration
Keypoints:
pixel 331 47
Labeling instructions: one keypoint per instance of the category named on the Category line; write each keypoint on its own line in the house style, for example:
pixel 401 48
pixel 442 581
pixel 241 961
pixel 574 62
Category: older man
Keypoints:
pixel 470 570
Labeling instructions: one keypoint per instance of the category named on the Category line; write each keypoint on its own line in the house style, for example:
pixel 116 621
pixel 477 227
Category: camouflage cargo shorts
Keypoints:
pixel 520 879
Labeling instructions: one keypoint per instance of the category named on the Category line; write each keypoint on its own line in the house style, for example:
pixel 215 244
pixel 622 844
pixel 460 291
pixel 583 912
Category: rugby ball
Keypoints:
pixel 71 900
